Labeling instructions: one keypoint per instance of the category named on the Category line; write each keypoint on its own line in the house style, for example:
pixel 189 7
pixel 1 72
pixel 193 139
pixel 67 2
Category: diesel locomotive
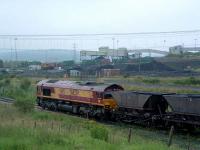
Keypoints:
pixel 87 98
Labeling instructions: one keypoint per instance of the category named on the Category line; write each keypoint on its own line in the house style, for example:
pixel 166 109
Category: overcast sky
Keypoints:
pixel 97 16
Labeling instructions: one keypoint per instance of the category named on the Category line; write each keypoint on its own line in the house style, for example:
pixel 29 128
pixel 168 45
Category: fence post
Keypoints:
pixel 59 127
pixel 23 122
pixel 52 125
pixel 170 136
pixel 129 135
pixel 69 128
pixel 35 124
pixel 188 138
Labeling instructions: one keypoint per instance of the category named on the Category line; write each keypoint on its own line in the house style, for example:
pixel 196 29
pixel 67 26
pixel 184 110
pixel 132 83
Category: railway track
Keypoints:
pixel 7 100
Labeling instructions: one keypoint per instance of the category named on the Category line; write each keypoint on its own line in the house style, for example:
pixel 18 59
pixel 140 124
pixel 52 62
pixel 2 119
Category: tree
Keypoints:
pixel 1 63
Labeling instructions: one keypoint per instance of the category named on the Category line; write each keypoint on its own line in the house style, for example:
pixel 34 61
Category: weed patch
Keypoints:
pixel 188 81
pixel 99 132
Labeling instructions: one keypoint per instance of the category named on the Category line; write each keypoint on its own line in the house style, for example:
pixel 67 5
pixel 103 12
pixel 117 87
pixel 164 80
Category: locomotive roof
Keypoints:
pixel 101 87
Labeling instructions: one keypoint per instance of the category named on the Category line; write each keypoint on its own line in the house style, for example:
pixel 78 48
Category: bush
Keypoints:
pixel 126 75
pixel 25 84
pixel 6 82
pixel 99 132
pixel 24 104
pixel 12 76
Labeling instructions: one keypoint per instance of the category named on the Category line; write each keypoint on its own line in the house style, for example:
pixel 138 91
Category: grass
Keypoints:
pixel 188 81
pixel 159 84
pixel 48 130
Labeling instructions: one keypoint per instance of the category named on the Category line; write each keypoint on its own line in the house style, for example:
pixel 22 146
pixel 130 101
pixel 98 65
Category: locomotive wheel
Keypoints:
pixel 82 114
pixel 53 107
pixel 43 106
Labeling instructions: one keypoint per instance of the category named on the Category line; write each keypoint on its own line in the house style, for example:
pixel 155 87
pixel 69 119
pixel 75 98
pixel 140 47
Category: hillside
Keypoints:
pixel 49 55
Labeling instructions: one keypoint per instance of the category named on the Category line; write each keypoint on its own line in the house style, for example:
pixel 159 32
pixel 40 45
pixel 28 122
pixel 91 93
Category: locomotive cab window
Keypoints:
pixel 46 92
pixel 107 96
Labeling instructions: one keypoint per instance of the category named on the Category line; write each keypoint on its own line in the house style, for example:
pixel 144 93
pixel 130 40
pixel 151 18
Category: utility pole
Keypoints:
pixel 117 48
pixel 46 55
pixel 11 54
pixel 16 57
pixel 11 50
pixel 74 46
pixel 164 42
pixel 139 67
pixel 117 44
pixel 195 43
pixel 113 39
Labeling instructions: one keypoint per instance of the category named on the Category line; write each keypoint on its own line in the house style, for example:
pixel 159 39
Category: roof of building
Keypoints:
pixel 92 86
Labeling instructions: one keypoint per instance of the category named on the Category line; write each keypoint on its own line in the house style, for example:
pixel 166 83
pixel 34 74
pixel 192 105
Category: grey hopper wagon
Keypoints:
pixel 141 101
pixel 184 104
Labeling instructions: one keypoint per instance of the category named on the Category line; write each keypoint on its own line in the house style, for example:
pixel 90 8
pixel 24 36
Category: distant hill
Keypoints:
pixel 50 55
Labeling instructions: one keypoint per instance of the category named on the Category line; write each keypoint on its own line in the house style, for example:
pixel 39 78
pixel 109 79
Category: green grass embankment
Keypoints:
pixel 47 131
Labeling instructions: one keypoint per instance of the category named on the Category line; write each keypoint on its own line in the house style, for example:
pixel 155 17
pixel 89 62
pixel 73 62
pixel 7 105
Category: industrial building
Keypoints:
pixel 179 49
pixel 104 51
pixel 124 52
pixel 117 53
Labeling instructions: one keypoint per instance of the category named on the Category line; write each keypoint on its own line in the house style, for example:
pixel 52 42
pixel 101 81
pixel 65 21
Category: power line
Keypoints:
pixel 101 34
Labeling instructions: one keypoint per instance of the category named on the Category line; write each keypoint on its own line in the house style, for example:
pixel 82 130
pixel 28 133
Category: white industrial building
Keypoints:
pixel 106 52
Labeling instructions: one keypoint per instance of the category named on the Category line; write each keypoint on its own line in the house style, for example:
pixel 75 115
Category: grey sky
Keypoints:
pixel 97 16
